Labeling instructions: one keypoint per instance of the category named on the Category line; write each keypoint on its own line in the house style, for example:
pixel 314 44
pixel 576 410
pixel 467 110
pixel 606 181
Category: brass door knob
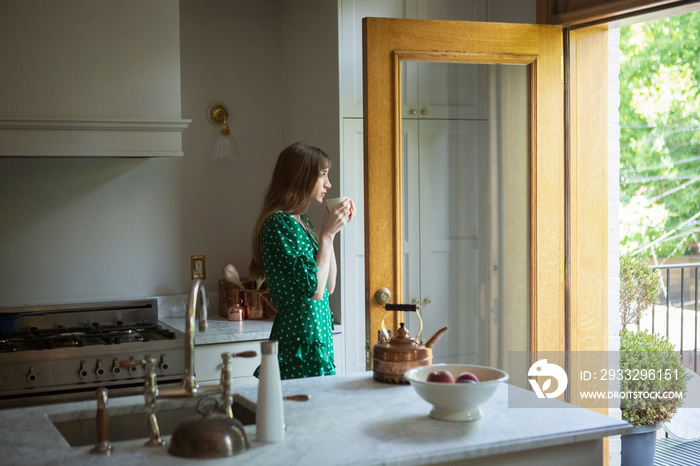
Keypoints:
pixel 383 296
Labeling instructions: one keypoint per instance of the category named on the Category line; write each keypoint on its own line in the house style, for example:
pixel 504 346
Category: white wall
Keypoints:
pixel 82 229
pixel 311 91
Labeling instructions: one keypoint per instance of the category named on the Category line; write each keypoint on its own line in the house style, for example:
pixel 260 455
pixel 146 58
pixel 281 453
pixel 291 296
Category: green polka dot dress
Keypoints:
pixel 303 326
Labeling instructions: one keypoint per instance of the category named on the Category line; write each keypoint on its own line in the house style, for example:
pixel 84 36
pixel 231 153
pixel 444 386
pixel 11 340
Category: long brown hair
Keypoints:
pixel 293 179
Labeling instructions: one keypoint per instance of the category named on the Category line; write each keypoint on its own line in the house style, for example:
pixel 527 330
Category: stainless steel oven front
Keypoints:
pixel 57 353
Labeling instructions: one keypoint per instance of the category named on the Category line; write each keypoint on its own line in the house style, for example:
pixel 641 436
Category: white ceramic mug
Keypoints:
pixel 333 203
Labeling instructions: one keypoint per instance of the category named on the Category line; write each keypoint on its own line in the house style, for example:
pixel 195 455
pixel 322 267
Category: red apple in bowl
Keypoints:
pixel 456 401
pixel 440 376
pixel 467 377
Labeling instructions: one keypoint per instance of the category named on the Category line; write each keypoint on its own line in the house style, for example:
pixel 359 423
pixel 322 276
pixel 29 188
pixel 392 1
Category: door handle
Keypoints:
pixel 383 296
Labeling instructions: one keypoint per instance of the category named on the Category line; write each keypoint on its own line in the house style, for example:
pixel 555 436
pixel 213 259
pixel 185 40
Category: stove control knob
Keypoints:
pixel 31 376
pixel 163 365
pixel 83 372
pixel 115 367
pixel 99 369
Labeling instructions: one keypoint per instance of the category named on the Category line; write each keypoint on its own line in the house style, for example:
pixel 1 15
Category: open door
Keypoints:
pixel 482 282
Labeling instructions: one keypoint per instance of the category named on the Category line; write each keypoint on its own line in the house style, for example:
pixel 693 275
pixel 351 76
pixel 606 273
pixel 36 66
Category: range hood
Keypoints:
pixel 90 79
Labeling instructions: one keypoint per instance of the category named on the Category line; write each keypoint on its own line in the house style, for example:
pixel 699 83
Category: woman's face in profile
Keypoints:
pixel 322 186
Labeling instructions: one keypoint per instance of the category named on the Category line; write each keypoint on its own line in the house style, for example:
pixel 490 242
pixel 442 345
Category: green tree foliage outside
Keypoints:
pixel 660 137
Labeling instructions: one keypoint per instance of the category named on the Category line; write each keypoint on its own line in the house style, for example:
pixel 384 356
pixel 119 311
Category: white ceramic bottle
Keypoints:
pixel 269 416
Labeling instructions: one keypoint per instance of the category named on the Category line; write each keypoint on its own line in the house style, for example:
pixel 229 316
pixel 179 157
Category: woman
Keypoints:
pixel 299 263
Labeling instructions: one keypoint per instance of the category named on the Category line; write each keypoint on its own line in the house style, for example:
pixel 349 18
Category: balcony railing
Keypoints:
pixel 676 314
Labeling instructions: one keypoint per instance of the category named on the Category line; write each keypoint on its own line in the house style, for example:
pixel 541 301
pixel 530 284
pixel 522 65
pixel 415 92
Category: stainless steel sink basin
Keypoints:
pixel 130 422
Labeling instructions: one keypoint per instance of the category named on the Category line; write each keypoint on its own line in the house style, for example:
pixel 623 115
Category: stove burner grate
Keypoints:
pixel 88 335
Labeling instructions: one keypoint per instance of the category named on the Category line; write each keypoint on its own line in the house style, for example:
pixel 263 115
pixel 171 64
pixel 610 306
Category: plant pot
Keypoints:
pixel 638 448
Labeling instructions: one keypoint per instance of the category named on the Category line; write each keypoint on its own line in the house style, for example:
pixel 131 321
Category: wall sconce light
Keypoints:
pixel 225 147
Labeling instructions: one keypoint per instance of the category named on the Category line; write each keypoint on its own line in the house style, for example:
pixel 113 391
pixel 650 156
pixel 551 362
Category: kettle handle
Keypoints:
pixel 401 307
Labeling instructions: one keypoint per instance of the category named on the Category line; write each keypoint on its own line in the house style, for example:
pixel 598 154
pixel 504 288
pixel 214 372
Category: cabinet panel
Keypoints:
pixel 208 362
pixel 452 91
pixel 411 215
pixel 352 12
pixel 443 90
pixel 339 353
pixel 457 10
pixel 352 244
pixel 446 258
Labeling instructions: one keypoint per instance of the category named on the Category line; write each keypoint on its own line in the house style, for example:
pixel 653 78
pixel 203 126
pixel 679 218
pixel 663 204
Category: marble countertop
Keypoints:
pixel 349 419
pixel 220 330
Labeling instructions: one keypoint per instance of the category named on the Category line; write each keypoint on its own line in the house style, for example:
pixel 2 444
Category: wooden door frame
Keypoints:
pixel 385 43
pixel 581 13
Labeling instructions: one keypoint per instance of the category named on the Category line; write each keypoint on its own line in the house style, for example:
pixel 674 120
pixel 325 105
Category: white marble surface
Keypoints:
pixel 350 419
pixel 220 330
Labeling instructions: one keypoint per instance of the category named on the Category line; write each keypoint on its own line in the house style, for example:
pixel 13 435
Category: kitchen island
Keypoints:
pixel 349 419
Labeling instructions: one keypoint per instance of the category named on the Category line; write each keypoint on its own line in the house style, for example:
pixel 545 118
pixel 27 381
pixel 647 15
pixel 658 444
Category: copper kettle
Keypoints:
pixel 393 358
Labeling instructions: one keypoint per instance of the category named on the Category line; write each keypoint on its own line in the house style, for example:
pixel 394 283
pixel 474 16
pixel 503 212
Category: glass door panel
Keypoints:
pixel 466 209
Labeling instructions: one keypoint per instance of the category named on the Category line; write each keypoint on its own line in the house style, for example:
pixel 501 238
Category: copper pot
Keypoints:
pixel 208 435
pixel 393 358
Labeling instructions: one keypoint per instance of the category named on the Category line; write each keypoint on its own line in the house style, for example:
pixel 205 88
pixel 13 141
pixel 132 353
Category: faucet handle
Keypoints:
pixel 226 382
pixel 151 398
pixel 103 445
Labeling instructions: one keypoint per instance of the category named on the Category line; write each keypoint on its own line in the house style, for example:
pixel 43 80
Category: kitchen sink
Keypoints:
pixel 130 422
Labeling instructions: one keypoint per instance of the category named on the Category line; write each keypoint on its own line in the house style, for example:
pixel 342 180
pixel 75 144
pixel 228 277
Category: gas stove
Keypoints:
pixel 95 334
pixel 65 352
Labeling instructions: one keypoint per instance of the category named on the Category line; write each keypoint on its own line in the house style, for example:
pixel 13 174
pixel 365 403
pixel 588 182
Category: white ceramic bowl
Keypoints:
pixel 456 401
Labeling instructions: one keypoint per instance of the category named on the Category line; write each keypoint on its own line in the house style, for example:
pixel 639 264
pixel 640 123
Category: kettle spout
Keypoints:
pixel 436 337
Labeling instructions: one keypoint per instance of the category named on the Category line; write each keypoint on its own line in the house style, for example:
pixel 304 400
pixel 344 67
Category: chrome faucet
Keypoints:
pixel 189 384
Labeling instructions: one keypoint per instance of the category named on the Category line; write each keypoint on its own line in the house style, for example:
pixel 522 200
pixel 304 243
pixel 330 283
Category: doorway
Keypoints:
pixel 462 247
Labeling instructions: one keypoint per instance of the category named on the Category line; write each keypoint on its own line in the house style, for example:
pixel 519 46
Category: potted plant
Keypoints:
pixel 640 286
pixel 649 365
pixel 652 378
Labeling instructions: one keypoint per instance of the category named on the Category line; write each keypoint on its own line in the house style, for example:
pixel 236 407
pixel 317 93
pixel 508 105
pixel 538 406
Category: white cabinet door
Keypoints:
pixel 339 353
pixel 352 250
pixel 352 12
pixel 451 157
pixel 410 210
pixel 454 91
pixel 439 90
pixel 455 10
pixel 208 362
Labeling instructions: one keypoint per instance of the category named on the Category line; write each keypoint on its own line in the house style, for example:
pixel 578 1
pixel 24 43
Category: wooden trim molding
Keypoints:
pixel 577 13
